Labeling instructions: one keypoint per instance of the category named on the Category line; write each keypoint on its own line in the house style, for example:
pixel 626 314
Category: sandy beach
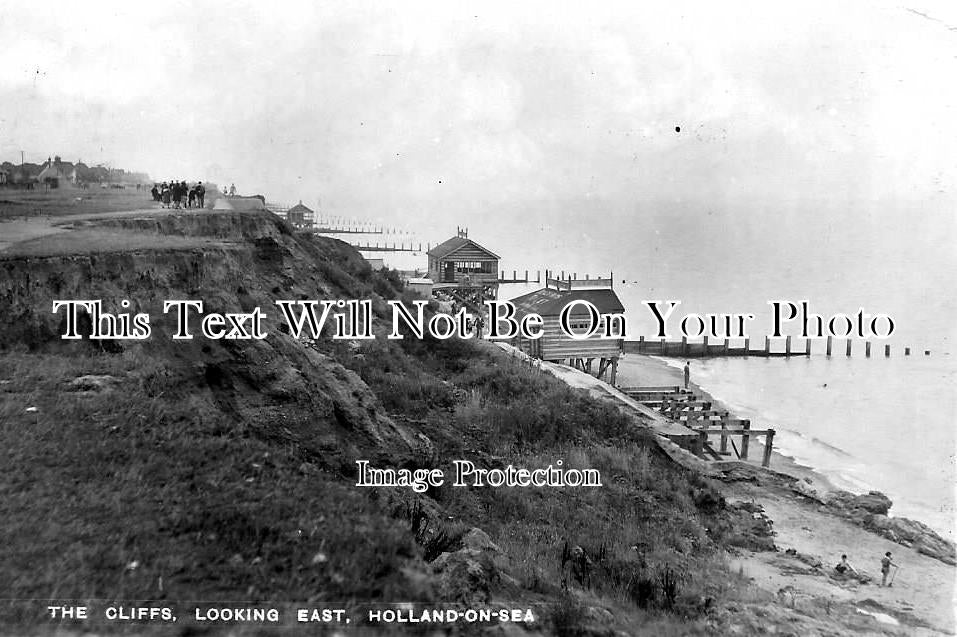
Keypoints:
pixel 922 598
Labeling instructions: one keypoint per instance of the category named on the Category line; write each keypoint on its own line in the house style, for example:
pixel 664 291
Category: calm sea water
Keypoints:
pixel 878 423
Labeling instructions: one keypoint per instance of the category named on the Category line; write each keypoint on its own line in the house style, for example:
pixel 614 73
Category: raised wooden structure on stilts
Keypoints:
pixel 598 354
pixel 463 270
pixel 686 408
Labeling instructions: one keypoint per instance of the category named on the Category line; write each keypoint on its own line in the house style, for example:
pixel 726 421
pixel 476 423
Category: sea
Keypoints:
pixel 866 423
pixel 884 424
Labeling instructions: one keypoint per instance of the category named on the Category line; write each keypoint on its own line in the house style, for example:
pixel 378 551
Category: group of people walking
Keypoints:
pixel 178 195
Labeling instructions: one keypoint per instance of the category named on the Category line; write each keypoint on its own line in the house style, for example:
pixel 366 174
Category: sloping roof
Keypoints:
pixel 301 208
pixel 446 248
pixel 549 302
pixel 50 170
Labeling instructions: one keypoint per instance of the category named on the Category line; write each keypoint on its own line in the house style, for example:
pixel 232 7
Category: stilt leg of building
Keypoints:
pixel 745 439
pixel 768 447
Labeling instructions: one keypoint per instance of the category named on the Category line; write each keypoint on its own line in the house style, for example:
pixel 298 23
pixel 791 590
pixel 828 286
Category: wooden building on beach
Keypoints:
pixel 464 270
pixel 462 261
pixel 557 346
pixel 301 216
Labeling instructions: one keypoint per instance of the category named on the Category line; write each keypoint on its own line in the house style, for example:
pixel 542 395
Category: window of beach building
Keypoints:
pixel 580 326
pixel 483 267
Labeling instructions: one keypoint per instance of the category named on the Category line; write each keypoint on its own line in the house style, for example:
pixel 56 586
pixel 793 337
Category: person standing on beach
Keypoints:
pixel 232 190
pixel 200 195
pixel 886 564
pixel 687 373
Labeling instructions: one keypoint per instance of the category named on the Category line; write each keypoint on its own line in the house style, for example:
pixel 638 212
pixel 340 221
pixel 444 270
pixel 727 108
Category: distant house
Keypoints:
pixel 55 173
pixel 301 216
pixel 4 177
pixel 555 345
pixel 82 174
pixel 463 262
pixel 23 176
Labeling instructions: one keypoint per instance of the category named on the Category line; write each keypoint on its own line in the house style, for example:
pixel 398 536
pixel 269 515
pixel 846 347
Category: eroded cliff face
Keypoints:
pixel 278 386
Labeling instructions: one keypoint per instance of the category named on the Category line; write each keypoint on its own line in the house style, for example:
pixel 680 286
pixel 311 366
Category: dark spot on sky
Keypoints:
pixel 677 129
pixel 440 181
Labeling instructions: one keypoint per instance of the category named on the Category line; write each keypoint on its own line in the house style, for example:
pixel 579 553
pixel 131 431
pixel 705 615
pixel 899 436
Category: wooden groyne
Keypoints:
pixel 707 348
pixel 393 247
pixel 771 347
pixel 686 408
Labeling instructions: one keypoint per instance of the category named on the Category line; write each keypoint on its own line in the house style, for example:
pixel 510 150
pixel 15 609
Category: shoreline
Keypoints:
pixel 810 482
pixel 653 371
pixel 810 535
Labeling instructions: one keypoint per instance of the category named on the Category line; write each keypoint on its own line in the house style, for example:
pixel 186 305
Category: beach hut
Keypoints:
pixel 301 216
pixel 461 261
pixel 463 271
pixel 555 344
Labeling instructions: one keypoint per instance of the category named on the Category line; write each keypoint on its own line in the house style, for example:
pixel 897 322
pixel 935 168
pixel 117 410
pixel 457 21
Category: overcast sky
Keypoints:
pixel 358 102
pixel 825 117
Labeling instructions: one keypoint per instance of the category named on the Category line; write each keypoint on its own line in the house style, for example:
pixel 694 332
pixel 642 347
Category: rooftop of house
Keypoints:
pixel 299 207
pixel 448 247
pixel 550 302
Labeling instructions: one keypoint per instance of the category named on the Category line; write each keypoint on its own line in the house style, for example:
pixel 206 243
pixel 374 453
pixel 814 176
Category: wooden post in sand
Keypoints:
pixel 887 350
pixel 768 446
pixel 745 439
pixel 828 352
pixel 849 347
pixel 807 347
pixel 787 345
pixel 767 345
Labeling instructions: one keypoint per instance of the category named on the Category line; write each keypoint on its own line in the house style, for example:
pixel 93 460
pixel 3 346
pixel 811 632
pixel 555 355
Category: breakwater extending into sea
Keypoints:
pixel 883 423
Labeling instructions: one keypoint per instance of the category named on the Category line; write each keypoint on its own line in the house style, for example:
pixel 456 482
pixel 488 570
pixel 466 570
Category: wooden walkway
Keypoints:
pixel 686 408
